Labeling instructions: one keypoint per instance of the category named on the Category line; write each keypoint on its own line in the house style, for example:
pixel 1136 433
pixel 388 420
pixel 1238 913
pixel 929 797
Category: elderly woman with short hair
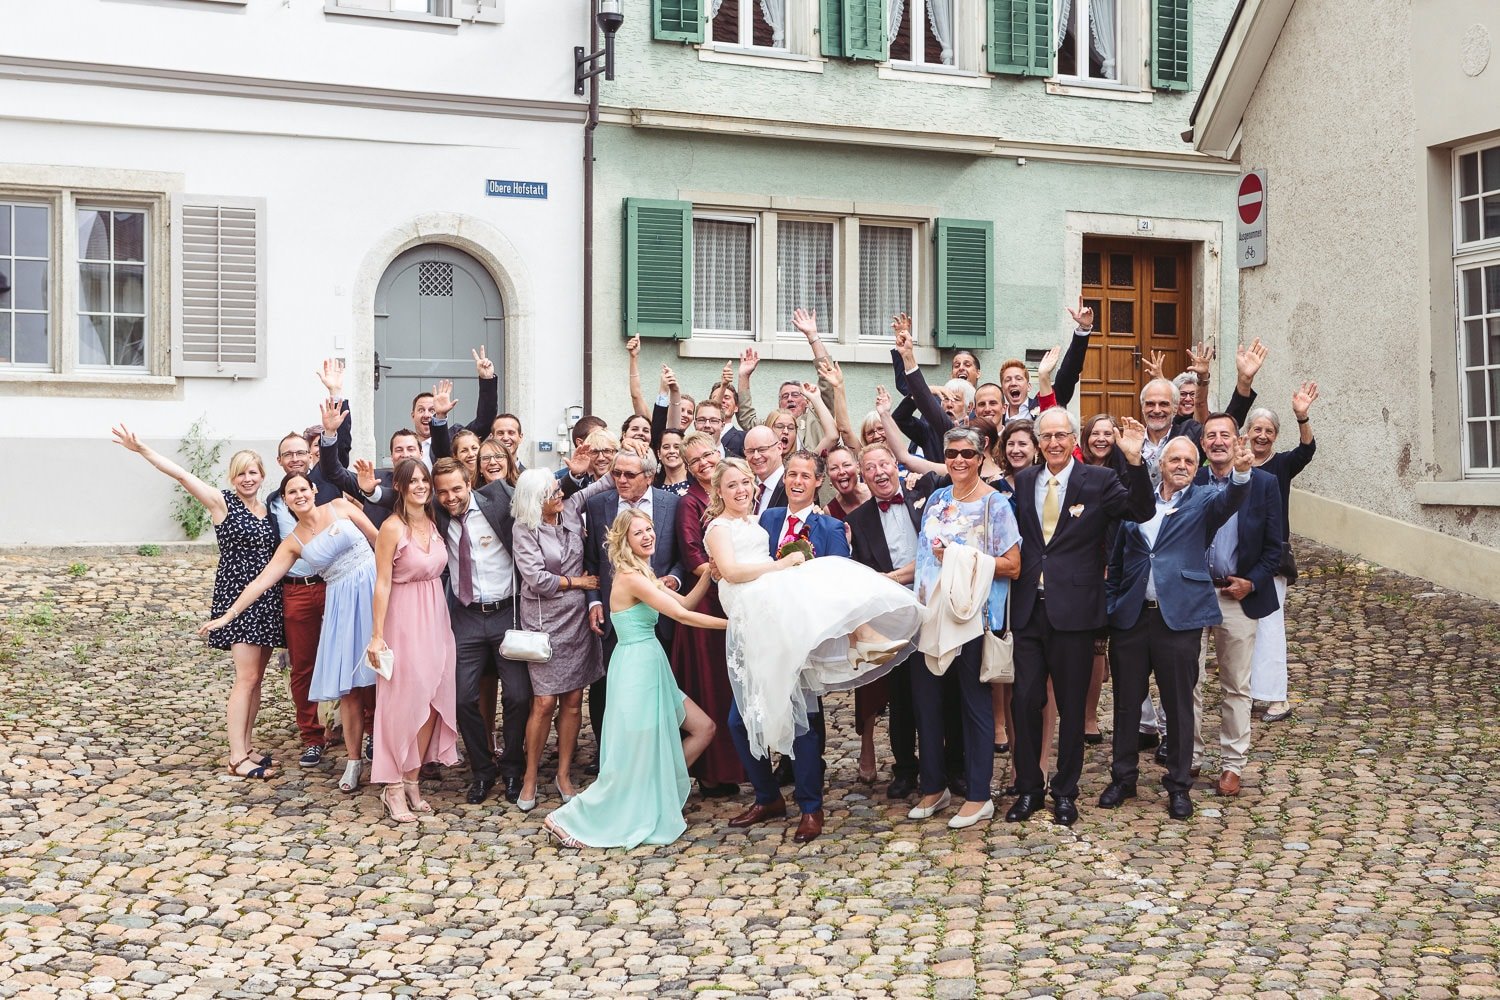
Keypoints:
pixel 548 549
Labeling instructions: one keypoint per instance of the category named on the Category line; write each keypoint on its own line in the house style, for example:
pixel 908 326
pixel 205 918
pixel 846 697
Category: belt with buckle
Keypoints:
pixel 1152 605
pixel 306 581
pixel 489 607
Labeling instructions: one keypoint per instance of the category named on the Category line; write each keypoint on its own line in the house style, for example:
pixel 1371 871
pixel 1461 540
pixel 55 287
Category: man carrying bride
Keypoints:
pixel 797 629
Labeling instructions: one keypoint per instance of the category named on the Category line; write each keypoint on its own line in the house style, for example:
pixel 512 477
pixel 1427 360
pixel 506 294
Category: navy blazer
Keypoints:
pixel 1074 559
pixel 1179 560
pixel 1258 554
pixel 599 513
pixel 733 442
pixel 825 533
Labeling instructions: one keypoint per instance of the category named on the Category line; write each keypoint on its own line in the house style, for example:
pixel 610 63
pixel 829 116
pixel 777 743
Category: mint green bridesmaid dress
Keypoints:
pixel 643 778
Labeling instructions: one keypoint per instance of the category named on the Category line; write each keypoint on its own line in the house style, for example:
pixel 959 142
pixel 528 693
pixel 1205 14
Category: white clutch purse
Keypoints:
pixel 528 647
pixel 384 661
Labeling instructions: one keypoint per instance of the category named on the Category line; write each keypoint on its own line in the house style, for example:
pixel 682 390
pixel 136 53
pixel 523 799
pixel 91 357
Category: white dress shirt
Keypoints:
pixel 800 515
pixel 492 563
pixel 764 497
pixel 1062 489
pixel 900 535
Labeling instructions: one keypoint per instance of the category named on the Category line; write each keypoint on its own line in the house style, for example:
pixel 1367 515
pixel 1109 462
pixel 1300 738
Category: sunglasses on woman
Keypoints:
pixel 968 454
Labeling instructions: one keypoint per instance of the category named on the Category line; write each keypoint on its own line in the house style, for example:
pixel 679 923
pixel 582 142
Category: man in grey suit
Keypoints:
pixel 633 473
pixel 1160 596
pixel 477 526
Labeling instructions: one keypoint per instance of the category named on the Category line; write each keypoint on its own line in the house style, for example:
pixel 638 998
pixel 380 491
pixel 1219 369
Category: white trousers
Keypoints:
pixel 1268 665
pixel 1234 644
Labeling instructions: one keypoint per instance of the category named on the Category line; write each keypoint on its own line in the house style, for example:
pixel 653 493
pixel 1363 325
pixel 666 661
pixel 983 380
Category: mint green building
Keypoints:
pixel 978 164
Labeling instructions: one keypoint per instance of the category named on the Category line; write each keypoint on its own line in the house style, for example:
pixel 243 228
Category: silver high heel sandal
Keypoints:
pixel 350 781
pixel 564 795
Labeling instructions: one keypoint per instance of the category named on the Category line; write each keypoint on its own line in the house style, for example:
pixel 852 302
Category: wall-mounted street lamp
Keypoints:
pixel 586 66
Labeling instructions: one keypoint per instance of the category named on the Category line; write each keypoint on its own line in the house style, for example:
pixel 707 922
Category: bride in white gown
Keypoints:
pixel 797 628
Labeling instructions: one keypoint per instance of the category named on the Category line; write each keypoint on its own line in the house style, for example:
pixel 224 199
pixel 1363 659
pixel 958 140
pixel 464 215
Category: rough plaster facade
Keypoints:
pixel 1358 292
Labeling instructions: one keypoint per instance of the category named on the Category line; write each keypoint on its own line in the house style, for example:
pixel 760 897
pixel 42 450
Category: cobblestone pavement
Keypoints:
pixel 1360 860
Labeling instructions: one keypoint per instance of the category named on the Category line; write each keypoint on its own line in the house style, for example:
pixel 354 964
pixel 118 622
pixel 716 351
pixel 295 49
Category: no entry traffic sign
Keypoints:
pixel 1250 207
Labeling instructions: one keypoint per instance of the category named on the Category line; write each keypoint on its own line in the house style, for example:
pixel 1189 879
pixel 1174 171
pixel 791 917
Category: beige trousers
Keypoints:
pixel 1234 642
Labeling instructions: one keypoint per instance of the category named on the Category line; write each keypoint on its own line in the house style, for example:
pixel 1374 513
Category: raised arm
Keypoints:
pixel 1071 366
pixel 637 395
pixel 825 419
pixel 286 554
pixel 211 499
pixel 488 406
pixel 746 415
pixel 932 410
pixel 332 377
pixel 356 515
pixel 1302 401
pixel 831 375
pixel 896 441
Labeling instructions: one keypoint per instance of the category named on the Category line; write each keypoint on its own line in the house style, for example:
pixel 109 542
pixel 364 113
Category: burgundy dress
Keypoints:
pixel 870 701
pixel 698 660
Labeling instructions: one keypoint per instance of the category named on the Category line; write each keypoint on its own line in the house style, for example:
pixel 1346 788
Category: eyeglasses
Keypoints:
pixel 304 453
pixel 492 459
pixel 554 497
pixel 765 450
pixel 967 454
pixel 699 460
pixel 606 451
pixel 1055 436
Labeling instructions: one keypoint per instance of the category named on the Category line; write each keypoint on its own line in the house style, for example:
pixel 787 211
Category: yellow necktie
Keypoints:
pixel 1050 510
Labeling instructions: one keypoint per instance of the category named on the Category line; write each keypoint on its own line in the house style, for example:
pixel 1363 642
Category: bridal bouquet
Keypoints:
pixel 801 544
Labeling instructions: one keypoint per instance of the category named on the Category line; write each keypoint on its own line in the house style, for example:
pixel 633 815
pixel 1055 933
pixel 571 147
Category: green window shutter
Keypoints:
pixel 677 20
pixel 831 27
pixel 965 283
pixel 1172 44
pixel 864 29
pixel 658 268
pixel 1019 37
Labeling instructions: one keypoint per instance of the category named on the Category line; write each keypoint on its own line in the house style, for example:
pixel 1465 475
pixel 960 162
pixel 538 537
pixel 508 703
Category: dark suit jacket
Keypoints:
pixel 733 442
pixel 484 419
pixel 337 473
pixel 599 514
pixel 1258 553
pixel 870 545
pixel 825 533
pixel 1184 589
pixel 1074 559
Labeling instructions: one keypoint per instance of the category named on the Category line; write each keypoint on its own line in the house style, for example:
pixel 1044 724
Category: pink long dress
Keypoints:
pixel 417 630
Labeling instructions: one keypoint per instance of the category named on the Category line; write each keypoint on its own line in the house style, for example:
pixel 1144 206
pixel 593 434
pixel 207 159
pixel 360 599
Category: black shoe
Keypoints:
pixel 312 755
pixel 960 787
pixel 592 768
pixel 1163 754
pixel 1065 811
pixel 720 791
pixel 369 746
pixel 1179 805
pixel 1024 806
pixel 512 789
pixel 479 790
pixel 784 775
pixel 1149 740
pixel 1002 748
pixel 1009 791
pixel 1093 739
pixel 1115 795
pixel 901 787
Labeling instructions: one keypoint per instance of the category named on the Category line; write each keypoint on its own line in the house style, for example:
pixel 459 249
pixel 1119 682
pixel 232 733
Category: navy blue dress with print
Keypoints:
pixel 246 544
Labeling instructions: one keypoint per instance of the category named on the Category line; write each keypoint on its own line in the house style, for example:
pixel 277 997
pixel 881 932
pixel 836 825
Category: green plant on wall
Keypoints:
pixel 200 457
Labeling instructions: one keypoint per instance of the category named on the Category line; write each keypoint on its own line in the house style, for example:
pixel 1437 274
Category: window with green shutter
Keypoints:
pixel 1171 44
pixel 677 20
pixel 864 29
pixel 1019 37
pixel 965 283
pixel 658 268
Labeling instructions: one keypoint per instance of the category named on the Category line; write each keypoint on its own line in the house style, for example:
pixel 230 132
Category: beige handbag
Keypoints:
pixel 521 644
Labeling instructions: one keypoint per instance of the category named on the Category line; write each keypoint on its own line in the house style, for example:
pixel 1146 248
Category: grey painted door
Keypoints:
pixel 433 306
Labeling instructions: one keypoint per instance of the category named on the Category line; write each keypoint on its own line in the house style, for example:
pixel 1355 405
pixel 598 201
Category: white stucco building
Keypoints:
pixel 202 199
pixel 1379 127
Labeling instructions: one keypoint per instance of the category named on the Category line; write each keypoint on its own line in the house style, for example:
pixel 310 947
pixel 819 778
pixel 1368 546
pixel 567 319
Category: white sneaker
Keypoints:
pixel 986 811
pixel 927 812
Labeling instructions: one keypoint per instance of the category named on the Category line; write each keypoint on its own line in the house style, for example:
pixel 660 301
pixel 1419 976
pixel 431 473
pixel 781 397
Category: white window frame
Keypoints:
pixel 968 58
pixel 1469 256
pixel 800 52
pixel 754 221
pixel 840 333
pixel 63 292
pixel 113 205
pixel 1132 39
pixel 13 309
pixel 446 13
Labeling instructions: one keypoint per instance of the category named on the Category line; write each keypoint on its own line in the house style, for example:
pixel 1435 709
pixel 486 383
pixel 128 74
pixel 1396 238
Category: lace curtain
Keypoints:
pixel 804 262
pixel 894 11
pixel 773 12
pixel 1064 11
pixel 940 19
pixel 884 278
pixel 722 269
pixel 1102 30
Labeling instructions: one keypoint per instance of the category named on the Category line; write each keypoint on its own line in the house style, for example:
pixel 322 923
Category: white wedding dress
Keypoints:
pixel 788 639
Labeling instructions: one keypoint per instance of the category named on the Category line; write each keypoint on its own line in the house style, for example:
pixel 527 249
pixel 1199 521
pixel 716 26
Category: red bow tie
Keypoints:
pixel 894 501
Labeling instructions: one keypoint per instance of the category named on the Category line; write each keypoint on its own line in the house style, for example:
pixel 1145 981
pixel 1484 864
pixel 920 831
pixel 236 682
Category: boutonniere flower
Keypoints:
pixel 1076 510
pixel 919 504
pixel 1169 511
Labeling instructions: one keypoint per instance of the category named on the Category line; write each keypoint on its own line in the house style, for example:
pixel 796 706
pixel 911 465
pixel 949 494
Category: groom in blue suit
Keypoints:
pixel 798 519
pixel 1159 598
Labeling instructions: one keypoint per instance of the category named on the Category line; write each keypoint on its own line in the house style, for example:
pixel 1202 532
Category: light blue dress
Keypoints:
pixel 343 558
pixel 643 778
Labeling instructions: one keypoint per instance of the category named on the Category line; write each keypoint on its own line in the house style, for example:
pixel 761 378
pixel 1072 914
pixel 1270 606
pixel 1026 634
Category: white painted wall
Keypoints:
pixel 343 187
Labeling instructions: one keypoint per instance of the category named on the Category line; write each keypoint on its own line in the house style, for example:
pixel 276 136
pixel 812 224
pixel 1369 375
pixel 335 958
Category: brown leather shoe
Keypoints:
pixel 809 828
pixel 1229 783
pixel 758 813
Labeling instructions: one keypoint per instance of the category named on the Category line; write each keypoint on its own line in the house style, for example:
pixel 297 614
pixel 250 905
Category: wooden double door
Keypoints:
pixel 1141 294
